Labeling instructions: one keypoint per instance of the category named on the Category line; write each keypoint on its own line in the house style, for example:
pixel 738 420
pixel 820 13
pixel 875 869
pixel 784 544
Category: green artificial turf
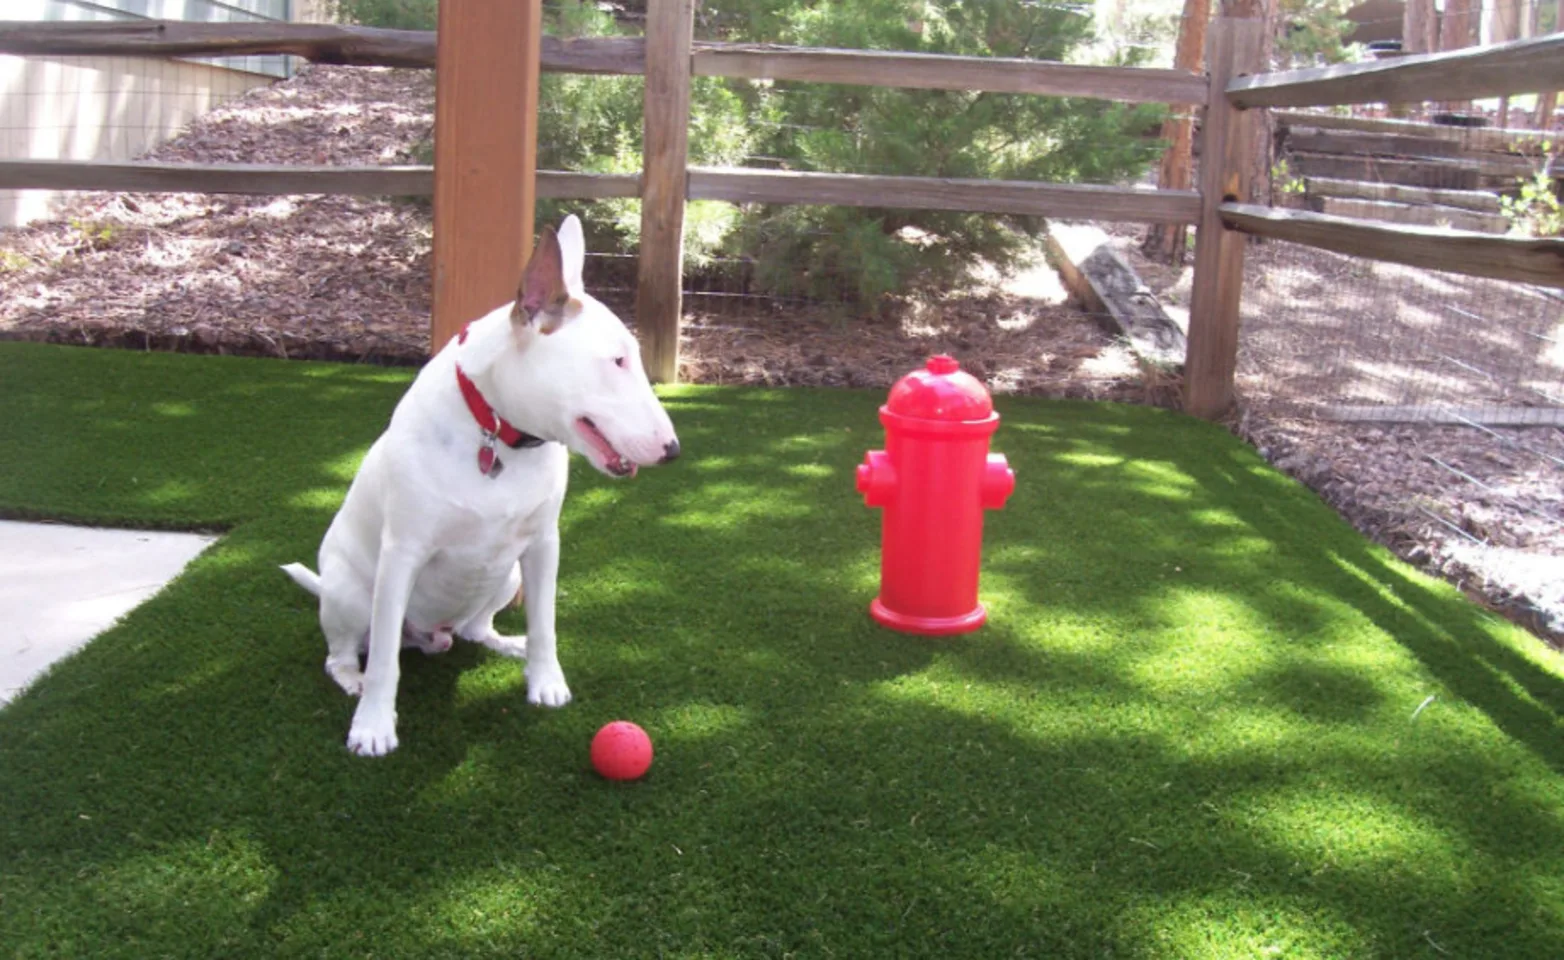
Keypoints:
pixel 1188 730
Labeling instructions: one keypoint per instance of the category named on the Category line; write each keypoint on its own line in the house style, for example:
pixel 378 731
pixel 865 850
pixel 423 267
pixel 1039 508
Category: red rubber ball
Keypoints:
pixel 621 751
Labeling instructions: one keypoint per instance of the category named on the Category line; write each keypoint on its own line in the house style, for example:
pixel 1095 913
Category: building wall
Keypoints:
pixel 118 108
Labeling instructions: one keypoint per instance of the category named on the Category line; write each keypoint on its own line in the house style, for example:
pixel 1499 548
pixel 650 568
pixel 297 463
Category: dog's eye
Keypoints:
pixel 621 362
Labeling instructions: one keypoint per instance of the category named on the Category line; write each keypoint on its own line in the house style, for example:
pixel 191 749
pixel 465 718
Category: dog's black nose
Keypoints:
pixel 670 452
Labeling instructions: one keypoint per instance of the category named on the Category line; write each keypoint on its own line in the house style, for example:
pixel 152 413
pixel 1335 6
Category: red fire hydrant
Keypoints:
pixel 934 479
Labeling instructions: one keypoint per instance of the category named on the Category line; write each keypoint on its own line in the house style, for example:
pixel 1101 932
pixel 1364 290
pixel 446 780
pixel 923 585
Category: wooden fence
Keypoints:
pixel 1229 94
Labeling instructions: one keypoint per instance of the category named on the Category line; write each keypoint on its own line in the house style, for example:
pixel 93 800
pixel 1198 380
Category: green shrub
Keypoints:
pixel 1316 33
pixel 390 14
pixel 593 124
pixel 867 253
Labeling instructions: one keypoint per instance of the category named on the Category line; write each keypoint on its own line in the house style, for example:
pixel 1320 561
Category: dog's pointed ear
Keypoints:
pixel 572 249
pixel 543 298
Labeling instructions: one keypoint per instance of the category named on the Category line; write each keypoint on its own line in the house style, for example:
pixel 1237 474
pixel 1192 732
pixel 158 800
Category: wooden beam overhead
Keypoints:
pixel 1521 66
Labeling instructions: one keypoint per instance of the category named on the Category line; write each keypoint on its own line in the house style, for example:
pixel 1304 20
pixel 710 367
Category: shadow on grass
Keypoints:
pixel 1187 730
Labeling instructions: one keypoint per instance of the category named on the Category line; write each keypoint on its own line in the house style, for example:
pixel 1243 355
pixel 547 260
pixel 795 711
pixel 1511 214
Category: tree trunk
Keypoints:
pixel 1170 241
pixel 1547 101
pixel 1457 31
pixel 1419 27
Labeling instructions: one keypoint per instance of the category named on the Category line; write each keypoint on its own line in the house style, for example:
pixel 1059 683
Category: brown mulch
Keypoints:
pixel 313 277
pixel 347 278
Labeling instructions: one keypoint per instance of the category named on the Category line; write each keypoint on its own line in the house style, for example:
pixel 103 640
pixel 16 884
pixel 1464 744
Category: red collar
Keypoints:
pixel 492 424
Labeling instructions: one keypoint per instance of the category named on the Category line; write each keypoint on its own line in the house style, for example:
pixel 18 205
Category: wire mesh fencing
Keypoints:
pixel 120 107
pixel 1349 338
pixel 100 108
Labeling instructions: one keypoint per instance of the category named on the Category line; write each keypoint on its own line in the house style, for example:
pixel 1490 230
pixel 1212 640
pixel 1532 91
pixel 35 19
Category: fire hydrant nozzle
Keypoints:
pixel 999 481
pixel 934 480
pixel 876 479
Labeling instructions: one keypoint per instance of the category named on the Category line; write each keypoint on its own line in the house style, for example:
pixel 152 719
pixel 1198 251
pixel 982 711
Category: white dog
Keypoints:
pixel 427 542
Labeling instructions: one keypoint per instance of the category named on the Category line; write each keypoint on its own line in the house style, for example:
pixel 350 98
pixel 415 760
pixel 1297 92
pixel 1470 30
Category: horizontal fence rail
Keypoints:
pixel 1431 248
pixel 318 43
pixel 274 180
pixel 1061 200
pixel 929 71
pixel 1522 66
pixel 368 46
pixel 240 178
pixel 1067 201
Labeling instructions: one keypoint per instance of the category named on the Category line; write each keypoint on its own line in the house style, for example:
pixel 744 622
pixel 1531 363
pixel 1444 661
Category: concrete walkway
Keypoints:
pixel 60 586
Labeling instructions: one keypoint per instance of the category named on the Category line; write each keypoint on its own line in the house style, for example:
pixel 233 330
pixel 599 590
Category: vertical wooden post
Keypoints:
pixel 1211 357
pixel 670 29
pixel 1260 134
pixel 485 156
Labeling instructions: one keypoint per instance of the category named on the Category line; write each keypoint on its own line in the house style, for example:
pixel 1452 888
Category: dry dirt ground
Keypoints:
pixel 347 278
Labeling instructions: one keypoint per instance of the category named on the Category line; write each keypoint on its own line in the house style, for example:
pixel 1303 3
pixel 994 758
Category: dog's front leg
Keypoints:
pixel 540 572
pixel 373 733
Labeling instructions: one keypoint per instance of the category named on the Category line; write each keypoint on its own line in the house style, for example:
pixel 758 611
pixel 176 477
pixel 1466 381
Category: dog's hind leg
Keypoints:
pixel 481 628
pixel 344 619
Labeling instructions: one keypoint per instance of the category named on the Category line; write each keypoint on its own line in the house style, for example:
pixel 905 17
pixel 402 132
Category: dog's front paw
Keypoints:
pixel 546 685
pixel 373 733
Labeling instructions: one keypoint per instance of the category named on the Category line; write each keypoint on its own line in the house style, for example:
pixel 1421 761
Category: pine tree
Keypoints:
pixel 864 254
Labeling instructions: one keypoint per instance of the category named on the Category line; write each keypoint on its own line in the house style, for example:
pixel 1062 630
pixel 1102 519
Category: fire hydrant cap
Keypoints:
pixel 940 391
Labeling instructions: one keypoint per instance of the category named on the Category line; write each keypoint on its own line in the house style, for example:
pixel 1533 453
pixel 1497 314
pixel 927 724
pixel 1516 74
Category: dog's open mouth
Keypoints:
pixel 613 461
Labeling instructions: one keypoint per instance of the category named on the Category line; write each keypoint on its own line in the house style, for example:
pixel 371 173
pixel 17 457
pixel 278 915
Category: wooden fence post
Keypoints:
pixel 485 142
pixel 1212 354
pixel 670 29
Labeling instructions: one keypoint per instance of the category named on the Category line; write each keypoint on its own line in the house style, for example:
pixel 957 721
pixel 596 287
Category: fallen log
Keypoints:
pixel 1110 290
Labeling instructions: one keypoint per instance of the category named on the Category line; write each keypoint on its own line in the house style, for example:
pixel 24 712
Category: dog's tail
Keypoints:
pixel 303 576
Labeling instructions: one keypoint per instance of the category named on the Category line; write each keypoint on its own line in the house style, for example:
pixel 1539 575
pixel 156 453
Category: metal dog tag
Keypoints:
pixel 489 464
